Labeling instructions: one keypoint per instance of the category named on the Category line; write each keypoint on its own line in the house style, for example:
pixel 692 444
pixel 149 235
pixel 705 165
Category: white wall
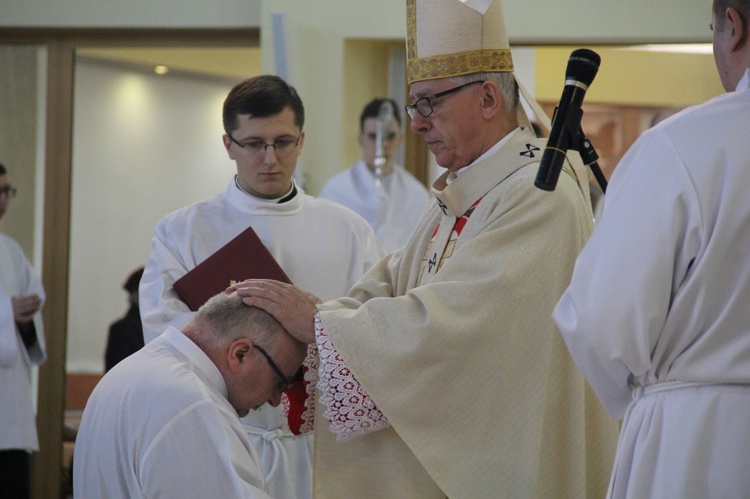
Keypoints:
pixel 18 138
pixel 316 32
pixel 542 21
pixel 132 13
pixel 317 29
pixel 143 146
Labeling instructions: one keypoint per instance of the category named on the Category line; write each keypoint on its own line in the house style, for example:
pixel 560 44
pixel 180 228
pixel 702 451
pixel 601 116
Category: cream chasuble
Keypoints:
pixel 438 246
pixel 469 370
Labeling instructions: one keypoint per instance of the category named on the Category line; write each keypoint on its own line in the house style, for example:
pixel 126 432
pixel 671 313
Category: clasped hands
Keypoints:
pixel 293 308
pixel 24 307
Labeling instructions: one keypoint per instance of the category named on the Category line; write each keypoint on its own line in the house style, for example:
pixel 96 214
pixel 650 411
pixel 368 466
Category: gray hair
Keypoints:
pixel 230 319
pixel 504 80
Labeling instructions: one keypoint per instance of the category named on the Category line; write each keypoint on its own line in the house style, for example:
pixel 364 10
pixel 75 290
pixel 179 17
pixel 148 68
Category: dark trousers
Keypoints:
pixel 15 474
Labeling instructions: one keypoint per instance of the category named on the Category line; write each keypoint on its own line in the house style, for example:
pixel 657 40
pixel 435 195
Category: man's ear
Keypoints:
pixel 239 354
pixel 492 101
pixel 737 27
pixel 227 145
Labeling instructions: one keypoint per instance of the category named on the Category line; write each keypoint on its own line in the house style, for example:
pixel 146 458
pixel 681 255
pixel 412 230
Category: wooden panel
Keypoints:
pixel 47 462
pixel 78 387
pixel 611 129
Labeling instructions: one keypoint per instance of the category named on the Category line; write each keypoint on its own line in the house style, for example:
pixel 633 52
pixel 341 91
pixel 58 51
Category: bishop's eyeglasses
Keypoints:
pixel 424 105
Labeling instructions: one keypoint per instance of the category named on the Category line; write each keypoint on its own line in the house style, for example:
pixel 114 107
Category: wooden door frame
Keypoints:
pixel 61 45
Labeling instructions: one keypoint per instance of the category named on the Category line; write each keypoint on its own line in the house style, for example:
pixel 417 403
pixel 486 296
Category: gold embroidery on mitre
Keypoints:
pixel 462 63
pixel 411 30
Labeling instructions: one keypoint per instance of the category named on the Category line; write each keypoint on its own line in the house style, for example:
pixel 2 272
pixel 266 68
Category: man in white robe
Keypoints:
pixel 323 247
pixel 442 373
pixel 657 313
pixel 164 422
pixel 21 346
pixel 391 200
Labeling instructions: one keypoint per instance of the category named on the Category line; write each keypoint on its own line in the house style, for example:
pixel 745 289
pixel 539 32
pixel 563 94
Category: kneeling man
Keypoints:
pixel 165 421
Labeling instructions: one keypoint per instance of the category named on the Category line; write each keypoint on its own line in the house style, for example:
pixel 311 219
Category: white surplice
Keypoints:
pixel 159 424
pixel 17 419
pixel 657 314
pixel 392 210
pixel 322 247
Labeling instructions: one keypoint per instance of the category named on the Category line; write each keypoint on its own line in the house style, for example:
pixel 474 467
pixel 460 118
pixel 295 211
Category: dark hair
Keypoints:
pixel 720 6
pixel 261 96
pixel 3 171
pixel 133 280
pixel 372 109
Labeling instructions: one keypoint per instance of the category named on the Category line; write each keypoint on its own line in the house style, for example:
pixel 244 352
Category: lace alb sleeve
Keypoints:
pixel 350 411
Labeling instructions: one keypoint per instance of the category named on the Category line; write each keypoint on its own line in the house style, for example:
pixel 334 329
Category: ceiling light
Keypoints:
pixel 161 70
pixel 684 48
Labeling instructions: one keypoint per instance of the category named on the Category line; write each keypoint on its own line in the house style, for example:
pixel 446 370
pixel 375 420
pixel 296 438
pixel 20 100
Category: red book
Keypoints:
pixel 244 257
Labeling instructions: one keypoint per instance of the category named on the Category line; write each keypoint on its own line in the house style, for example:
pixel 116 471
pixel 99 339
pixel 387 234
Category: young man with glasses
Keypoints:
pixel 21 346
pixel 442 373
pixel 164 421
pixel 391 200
pixel 321 246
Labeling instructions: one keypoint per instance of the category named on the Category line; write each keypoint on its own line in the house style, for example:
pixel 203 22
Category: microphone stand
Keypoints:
pixel 579 142
pixel 589 156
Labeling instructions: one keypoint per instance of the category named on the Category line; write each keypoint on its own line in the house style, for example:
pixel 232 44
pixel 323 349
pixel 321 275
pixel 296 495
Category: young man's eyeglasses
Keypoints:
pixel 8 191
pixel 424 105
pixel 280 146
pixel 286 383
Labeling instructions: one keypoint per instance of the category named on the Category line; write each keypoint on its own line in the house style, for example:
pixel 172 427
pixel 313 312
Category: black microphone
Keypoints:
pixel 566 122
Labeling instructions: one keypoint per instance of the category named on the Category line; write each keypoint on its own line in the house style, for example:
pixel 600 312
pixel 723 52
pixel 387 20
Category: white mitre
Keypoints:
pixel 446 38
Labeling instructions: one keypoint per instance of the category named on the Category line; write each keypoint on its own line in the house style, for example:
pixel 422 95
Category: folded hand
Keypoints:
pixel 24 307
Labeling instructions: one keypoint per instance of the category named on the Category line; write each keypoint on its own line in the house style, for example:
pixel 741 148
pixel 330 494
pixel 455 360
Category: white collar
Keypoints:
pixel 248 203
pixel 744 83
pixel 489 152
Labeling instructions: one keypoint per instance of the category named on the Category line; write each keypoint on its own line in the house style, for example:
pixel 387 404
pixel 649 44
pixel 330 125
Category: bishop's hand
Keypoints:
pixel 293 308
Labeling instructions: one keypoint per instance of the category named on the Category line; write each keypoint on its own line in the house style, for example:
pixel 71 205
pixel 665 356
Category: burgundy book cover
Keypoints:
pixel 244 257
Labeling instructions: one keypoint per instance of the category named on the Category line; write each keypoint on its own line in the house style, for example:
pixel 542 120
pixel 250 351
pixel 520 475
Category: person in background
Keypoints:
pixel 126 334
pixel 657 313
pixel 392 202
pixel 663 114
pixel 321 246
pixel 165 421
pixel 21 346
pixel 441 373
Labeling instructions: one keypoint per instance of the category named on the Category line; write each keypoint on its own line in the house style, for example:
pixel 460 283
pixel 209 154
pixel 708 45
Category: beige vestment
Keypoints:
pixel 470 370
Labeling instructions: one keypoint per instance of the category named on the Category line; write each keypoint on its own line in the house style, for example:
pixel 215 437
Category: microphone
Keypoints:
pixel 566 122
